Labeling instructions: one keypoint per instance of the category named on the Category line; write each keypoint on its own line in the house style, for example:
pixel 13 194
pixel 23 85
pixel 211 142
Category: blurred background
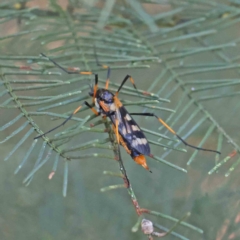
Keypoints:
pixel 184 52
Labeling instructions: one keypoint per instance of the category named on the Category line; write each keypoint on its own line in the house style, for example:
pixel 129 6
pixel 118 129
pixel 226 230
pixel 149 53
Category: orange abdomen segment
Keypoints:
pixel 141 160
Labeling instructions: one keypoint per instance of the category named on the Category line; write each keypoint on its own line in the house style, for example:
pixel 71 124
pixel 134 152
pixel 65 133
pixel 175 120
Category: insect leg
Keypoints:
pixel 173 132
pixel 75 72
pixel 95 88
pixel 103 66
pixel 66 120
pixel 92 108
pixel 124 81
pixel 117 132
pixel 66 70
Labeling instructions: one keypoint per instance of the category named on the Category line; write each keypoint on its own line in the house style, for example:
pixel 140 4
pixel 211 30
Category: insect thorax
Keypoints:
pixel 105 97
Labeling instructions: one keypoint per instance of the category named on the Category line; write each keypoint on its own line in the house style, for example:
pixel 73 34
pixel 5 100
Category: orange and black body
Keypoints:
pixel 130 135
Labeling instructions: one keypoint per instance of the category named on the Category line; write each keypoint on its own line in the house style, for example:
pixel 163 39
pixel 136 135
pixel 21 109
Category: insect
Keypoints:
pixel 127 131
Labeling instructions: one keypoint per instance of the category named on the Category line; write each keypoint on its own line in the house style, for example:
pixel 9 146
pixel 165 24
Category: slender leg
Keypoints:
pixel 92 108
pixel 66 120
pixel 75 72
pixel 87 104
pixel 108 74
pixel 117 132
pixel 124 81
pixel 103 66
pixel 95 88
pixel 173 132
pixel 64 69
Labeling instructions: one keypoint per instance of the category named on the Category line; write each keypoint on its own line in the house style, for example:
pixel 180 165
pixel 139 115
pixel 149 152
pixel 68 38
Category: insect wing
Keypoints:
pixel 130 131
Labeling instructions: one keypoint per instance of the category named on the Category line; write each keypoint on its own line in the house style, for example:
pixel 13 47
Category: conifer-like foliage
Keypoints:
pixel 184 54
